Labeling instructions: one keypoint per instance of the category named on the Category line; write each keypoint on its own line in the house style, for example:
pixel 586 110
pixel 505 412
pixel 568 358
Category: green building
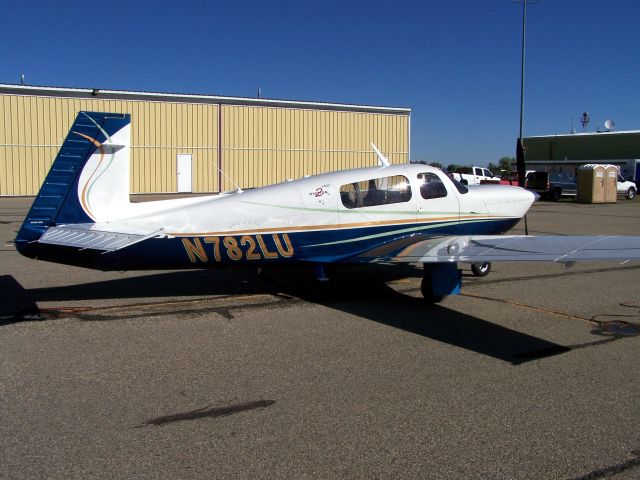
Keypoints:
pixel 564 153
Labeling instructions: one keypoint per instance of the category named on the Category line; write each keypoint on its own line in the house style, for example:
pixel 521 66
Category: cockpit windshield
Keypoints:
pixel 459 186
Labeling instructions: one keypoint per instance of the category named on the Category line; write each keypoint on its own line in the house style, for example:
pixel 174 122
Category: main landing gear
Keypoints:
pixel 442 279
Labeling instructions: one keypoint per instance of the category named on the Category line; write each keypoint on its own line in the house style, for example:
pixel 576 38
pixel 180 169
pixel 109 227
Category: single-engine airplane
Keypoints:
pixel 386 214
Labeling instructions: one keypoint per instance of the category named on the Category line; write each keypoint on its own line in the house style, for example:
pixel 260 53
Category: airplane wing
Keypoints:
pixel 475 249
pixel 94 236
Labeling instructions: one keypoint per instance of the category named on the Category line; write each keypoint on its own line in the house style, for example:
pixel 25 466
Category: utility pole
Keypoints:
pixel 520 146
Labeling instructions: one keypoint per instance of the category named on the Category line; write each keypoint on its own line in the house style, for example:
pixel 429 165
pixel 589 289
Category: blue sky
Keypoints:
pixel 455 63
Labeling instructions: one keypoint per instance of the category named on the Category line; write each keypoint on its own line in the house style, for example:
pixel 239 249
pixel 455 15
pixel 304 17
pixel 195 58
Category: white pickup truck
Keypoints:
pixel 474 175
pixel 626 188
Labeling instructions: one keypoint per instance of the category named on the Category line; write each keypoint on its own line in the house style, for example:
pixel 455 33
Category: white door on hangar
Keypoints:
pixel 184 172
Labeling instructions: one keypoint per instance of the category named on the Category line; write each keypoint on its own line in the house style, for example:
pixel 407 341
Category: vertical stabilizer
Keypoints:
pixel 89 178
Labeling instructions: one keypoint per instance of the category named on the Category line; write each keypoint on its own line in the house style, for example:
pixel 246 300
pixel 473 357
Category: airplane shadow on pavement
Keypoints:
pixel 364 295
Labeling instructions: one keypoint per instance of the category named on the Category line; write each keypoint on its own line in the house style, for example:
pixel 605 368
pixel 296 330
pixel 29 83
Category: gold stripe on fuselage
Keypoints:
pixel 409 221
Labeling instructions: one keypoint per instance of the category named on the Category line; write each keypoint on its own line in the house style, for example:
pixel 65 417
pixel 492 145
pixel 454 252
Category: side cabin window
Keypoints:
pixel 376 191
pixel 431 186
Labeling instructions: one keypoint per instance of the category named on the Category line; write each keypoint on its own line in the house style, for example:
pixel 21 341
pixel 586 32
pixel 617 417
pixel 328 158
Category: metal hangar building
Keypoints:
pixel 566 152
pixel 184 143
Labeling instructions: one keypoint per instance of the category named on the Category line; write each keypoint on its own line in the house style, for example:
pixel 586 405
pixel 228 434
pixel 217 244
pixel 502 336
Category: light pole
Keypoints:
pixel 520 147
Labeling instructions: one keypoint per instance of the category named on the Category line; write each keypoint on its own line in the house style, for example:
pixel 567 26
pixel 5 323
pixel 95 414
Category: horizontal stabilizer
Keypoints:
pixel 85 237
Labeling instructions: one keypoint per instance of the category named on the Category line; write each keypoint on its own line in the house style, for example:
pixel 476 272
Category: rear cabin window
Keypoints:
pixel 376 191
pixel 431 186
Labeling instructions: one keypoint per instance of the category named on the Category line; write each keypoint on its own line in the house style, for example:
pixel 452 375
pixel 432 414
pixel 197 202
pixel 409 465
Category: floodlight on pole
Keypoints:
pixel 520 146
pixel 584 120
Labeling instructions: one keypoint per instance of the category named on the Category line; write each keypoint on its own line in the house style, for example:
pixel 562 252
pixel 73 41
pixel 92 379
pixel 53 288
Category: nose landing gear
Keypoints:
pixel 481 269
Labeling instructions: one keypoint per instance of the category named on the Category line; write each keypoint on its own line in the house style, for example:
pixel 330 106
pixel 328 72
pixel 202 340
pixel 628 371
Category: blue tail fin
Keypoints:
pixel 60 199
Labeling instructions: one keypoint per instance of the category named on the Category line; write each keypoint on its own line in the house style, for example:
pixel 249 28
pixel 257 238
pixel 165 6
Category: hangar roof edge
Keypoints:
pixel 587 134
pixel 195 98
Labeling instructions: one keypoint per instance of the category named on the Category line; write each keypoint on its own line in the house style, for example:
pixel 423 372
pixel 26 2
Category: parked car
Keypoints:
pixel 511 178
pixel 553 185
pixel 626 188
pixel 473 175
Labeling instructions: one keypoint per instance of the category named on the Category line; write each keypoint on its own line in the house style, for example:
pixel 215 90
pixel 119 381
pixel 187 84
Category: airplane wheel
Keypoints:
pixel 426 288
pixel 481 269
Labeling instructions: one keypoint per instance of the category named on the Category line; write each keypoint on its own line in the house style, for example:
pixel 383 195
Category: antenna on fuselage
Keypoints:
pixel 382 160
pixel 238 189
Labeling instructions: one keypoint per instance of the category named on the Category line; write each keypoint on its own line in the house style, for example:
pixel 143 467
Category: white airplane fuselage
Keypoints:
pixel 302 220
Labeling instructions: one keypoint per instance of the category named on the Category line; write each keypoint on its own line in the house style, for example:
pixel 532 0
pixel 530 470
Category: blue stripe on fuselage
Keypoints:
pixel 321 246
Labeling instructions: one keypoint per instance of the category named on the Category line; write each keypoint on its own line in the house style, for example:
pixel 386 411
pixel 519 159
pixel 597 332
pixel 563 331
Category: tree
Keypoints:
pixel 453 167
pixel 505 163
pixel 437 165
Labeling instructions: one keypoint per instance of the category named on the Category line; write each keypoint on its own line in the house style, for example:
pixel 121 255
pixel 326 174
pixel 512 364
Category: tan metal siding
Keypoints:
pixel 266 145
pixel 260 145
pixel 33 128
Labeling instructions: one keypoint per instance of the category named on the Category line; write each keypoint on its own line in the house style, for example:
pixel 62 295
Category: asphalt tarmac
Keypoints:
pixel 531 373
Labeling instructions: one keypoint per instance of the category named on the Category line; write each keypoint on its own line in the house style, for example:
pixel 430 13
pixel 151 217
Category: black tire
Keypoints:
pixel 427 291
pixel 556 194
pixel 631 193
pixel 481 269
